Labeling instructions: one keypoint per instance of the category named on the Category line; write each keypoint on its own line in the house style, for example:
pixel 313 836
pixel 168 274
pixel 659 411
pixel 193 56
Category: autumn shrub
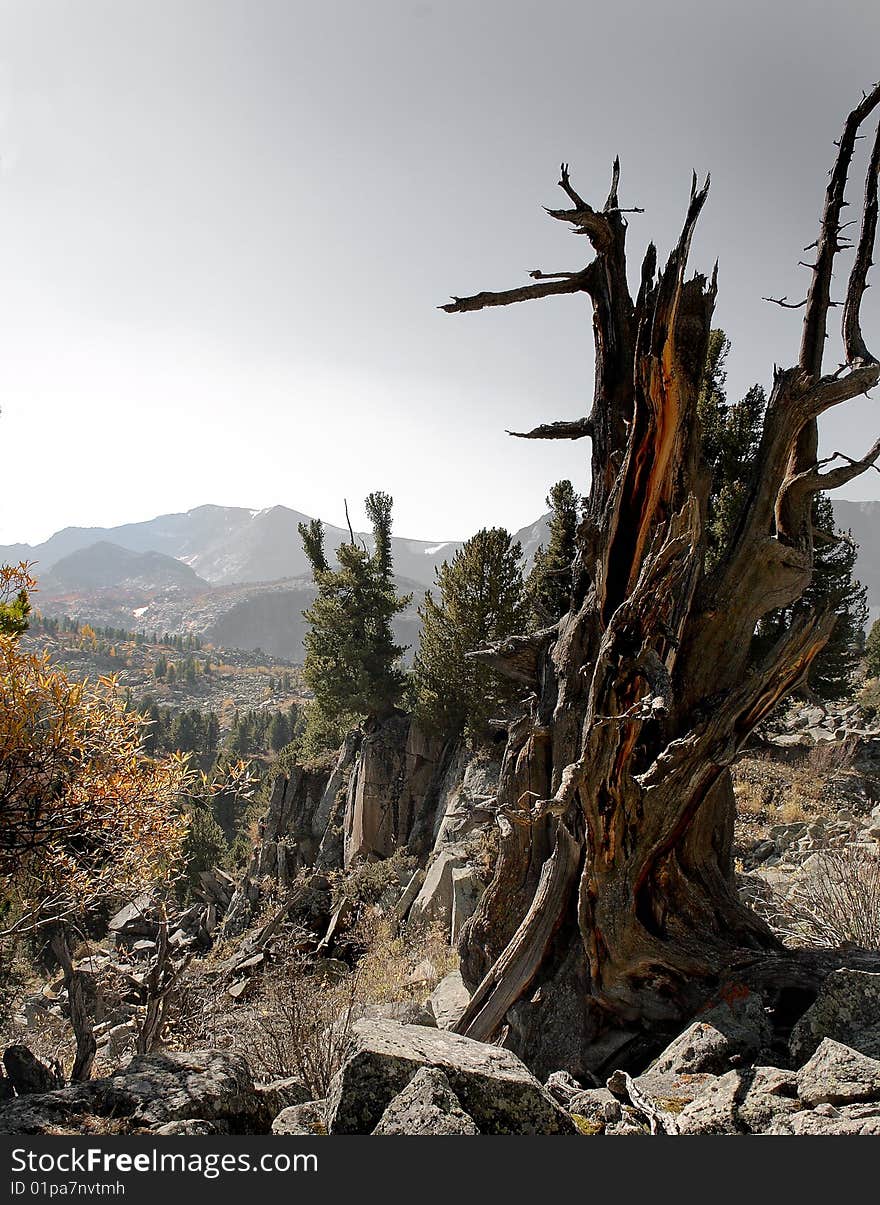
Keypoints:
pixel 85 816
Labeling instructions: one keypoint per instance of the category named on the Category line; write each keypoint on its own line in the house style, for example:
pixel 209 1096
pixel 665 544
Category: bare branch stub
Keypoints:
pixel 579 428
pixel 785 303
pixel 576 283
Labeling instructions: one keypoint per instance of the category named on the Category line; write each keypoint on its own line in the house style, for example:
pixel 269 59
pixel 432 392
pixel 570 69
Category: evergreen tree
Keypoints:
pixel 185 735
pixel 280 733
pixel 15 604
pixel 481 598
pixel 212 732
pixel 204 847
pixel 548 586
pixel 152 731
pixel 352 662
pixel 731 433
pixel 872 651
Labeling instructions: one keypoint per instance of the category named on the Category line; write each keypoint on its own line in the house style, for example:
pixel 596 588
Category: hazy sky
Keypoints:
pixel 225 226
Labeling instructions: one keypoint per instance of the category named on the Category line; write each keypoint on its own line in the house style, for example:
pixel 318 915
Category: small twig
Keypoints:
pixel 785 303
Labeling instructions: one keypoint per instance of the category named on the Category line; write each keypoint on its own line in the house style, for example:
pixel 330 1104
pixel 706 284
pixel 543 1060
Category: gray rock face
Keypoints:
pixel 741 1102
pixel 471 780
pixel 433 904
pixel 448 1000
pixel 192 1127
pixel 302 1120
pixel 409 893
pixel 26 1073
pixel 405 1012
pixel 723 1037
pixel 466 892
pixel 597 1106
pixel 847 1009
pixel 849 1121
pixel 427 1105
pixel 379 810
pixel 836 1074
pixel 152 1090
pixel 494 1087
pixel 283 1094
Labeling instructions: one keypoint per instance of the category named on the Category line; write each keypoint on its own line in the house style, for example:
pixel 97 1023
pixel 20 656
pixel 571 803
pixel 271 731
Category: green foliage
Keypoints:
pixel 868 698
pixel 872 651
pixel 367 882
pixel 352 663
pixel 731 433
pixel 14 614
pixel 321 734
pixel 280 731
pixel 204 847
pixel 481 598
pixel 548 586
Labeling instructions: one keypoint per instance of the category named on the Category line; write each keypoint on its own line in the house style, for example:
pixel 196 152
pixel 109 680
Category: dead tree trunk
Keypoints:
pixel 77 1002
pixel 613 911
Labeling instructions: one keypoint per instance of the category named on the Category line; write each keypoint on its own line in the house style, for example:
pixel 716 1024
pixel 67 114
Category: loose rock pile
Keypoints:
pixel 716 1077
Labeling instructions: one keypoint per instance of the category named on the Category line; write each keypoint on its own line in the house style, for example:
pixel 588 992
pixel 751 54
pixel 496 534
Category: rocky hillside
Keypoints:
pixel 318 993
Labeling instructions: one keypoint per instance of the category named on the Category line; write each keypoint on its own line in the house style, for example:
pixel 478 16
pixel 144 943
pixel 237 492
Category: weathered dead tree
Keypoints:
pixel 613 912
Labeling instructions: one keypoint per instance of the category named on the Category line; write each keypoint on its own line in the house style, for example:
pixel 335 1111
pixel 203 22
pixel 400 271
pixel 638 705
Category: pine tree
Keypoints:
pixel 872 651
pixel 548 586
pixel 204 847
pixel 730 435
pixel 481 598
pixel 15 607
pixel 352 662
pixel 280 733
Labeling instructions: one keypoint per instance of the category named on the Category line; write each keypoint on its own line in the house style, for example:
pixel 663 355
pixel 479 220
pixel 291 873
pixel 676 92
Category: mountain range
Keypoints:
pixel 239 577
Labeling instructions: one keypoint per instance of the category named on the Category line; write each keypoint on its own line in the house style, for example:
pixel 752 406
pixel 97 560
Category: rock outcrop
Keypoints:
pixel 426 1106
pixel 847 1009
pixel 491 1084
pixel 150 1091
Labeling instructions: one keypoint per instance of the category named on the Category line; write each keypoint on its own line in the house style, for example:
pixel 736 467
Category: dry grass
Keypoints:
pixel 296 1017
pixel 396 968
pixel 836 901
pixel 770 790
pixel 301 1026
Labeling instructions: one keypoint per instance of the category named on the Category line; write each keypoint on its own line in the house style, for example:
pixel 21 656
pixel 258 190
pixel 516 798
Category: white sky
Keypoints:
pixel 225 226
